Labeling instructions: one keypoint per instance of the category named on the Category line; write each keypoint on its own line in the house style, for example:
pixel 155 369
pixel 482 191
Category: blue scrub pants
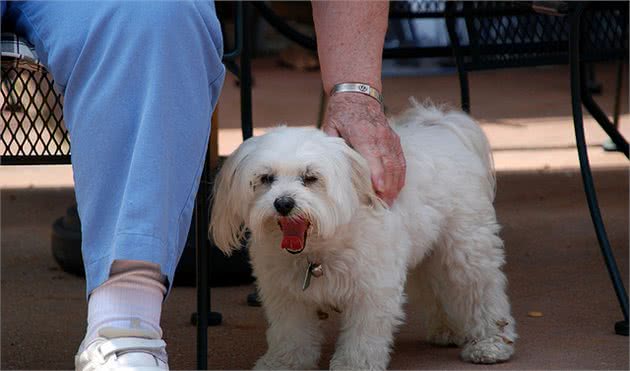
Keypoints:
pixel 140 81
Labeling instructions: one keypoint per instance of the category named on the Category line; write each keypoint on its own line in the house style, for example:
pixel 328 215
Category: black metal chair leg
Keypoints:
pixel 609 145
pixel 593 86
pixel 459 56
pixel 602 119
pixel 204 317
pixel 202 201
pixel 202 281
pixel 618 85
pixel 246 74
pixel 621 327
pixel 464 87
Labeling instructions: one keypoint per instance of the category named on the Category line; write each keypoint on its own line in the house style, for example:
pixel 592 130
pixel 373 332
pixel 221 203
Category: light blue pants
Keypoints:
pixel 140 82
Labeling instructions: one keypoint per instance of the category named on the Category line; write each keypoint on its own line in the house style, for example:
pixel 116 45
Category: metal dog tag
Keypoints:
pixel 313 269
pixel 307 277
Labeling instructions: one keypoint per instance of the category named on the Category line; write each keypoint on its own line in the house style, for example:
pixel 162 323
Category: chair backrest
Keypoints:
pixel 32 130
pixel 605 31
pixel 414 9
pixel 502 34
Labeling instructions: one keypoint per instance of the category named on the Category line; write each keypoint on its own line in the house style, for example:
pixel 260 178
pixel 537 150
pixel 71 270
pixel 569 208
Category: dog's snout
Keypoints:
pixel 284 205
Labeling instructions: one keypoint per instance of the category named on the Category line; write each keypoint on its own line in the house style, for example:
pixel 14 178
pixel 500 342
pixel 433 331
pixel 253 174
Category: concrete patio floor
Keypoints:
pixel 553 262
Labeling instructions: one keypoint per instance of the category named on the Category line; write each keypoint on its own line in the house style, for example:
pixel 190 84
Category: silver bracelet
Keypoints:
pixel 357 87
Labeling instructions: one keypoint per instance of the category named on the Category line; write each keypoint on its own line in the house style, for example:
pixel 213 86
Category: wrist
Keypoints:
pixel 350 99
pixel 328 84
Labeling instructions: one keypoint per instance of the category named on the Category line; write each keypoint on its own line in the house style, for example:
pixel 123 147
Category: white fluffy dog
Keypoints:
pixel 315 222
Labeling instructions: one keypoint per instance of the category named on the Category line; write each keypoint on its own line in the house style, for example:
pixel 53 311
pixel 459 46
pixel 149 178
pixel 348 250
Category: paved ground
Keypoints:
pixel 553 265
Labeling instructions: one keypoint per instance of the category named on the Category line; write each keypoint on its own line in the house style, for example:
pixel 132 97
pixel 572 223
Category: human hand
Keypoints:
pixel 359 120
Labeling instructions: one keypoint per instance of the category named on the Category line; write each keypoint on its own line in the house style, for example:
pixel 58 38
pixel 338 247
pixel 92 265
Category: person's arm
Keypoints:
pixel 350 37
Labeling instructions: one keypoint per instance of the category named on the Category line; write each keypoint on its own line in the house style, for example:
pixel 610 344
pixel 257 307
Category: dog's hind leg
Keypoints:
pixel 294 335
pixel 466 276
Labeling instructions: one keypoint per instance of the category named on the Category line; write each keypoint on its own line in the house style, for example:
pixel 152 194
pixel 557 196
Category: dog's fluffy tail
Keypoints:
pixel 461 124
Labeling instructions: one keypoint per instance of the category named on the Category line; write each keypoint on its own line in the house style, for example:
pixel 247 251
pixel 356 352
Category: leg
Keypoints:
pixel 466 277
pixel 367 330
pixel 140 82
pixel 621 327
pixel 139 93
pixel 294 335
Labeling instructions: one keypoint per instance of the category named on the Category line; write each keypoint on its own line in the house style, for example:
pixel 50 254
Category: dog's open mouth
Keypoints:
pixel 294 233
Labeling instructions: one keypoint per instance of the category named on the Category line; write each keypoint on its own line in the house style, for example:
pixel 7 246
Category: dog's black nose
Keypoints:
pixel 284 205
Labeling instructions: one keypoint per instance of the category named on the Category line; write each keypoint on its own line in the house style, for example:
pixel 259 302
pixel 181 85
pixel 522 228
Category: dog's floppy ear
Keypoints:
pixel 361 179
pixel 230 197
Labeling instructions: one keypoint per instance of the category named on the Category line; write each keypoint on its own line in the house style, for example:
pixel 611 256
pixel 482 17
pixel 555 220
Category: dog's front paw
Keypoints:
pixel 494 349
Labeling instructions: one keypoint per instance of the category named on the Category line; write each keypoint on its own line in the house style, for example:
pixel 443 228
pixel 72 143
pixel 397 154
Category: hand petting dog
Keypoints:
pixel 360 120
pixel 350 37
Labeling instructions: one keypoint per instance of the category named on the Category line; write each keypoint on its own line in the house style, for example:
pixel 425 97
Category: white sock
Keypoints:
pixel 130 299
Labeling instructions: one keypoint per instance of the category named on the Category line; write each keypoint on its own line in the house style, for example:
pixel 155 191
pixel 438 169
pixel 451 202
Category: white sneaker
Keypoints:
pixel 123 350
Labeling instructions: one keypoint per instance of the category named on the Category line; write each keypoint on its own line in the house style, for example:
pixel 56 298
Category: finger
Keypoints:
pixel 394 169
pixel 330 131
pixel 401 171
pixel 376 172
pixel 401 181
pixel 390 176
pixel 398 182
pixel 398 172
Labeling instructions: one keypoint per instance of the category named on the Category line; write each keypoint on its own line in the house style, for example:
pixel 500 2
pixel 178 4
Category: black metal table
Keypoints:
pixel 516 34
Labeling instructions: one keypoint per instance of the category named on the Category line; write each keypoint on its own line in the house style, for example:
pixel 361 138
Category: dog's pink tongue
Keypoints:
pixel 293 231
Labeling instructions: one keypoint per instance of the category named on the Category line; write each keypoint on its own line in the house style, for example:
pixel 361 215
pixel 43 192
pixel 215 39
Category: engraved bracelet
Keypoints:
pixel 357 87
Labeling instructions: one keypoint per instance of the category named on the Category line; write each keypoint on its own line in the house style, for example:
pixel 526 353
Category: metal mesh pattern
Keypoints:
pixel 416 8
pixel 518 38
pixel 32 118
pixel 606 32
pixel 504 34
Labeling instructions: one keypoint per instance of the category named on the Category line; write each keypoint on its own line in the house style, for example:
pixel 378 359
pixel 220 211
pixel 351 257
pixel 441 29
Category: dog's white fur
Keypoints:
pixel 443 219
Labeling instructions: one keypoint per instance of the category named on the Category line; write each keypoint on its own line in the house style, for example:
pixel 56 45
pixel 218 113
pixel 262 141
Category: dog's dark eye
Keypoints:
pixel 309 179
pixel 267 178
